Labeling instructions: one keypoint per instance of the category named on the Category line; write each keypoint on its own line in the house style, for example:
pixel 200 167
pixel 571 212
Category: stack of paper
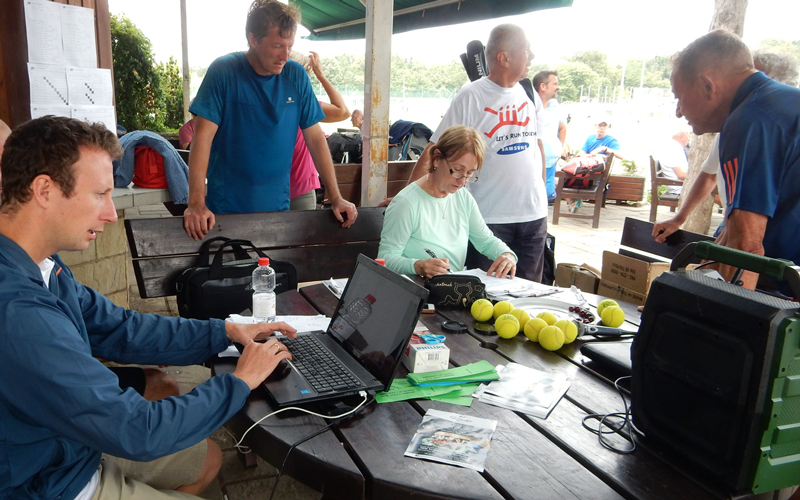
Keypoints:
pixel 505 288
pixel 481 371
pixel 453 439
pixel 525 390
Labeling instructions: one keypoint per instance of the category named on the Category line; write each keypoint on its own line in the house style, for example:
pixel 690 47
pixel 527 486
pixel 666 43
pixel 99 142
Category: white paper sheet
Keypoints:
pixel 77 32
pixel 40 110
pixel 43 28
pixel 48 84
pixel 96 114
pixel 90 86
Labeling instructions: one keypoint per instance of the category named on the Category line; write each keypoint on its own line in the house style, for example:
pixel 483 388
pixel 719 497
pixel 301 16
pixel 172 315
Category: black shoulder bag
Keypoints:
pixel 454 290
pixel 223 288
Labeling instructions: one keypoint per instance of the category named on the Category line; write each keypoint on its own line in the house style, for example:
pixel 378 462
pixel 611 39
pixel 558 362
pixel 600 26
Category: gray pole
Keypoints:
pixel 187 78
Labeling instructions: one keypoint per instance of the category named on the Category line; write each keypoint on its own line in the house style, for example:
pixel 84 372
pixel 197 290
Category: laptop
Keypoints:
pixel 613 356
pixel 373 323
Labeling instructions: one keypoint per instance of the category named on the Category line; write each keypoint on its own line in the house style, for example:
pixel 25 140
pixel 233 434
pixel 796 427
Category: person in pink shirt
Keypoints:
pixel 303 180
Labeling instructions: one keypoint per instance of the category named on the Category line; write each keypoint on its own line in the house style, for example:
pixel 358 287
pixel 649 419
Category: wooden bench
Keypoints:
pixel 348 178
pixel 314 241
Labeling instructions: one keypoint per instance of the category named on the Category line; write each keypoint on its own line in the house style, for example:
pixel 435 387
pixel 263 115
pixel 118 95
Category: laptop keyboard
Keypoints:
pixel 320 368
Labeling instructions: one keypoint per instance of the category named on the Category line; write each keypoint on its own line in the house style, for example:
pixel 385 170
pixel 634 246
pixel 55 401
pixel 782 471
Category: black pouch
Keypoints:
pixel 219 289
pixel 449 290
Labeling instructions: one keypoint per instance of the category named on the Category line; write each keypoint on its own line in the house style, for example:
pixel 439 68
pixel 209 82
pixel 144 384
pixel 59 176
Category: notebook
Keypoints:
pixel 615 356
pixel 373 323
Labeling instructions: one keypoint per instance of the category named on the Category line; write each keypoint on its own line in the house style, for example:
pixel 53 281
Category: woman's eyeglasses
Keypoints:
pixel 459 175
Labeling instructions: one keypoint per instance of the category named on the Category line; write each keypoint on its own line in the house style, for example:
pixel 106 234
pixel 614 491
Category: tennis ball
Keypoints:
pixel 522 316
pixel 533 327
pixel 549 317
pixel 612 316
pixel 507 326
pixel 482 310
pixel 605 303
pixel 502 307
pixel 551 338
pixel 569 328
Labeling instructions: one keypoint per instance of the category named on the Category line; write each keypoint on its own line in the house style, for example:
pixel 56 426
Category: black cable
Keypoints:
pixel 310 436
pixel 706 264
pixel 603 420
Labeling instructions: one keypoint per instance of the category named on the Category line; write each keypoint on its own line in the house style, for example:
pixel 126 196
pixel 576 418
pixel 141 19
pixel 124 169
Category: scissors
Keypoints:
pixel 430 338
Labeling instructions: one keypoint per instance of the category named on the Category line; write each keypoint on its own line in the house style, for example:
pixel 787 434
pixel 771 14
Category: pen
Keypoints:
pixel 433 256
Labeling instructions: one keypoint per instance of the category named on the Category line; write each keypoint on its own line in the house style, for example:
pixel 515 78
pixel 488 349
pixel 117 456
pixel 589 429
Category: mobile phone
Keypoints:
pixel 428 308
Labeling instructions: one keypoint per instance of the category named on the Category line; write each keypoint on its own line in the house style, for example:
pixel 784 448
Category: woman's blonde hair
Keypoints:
pixel 457 141
pixel 302 59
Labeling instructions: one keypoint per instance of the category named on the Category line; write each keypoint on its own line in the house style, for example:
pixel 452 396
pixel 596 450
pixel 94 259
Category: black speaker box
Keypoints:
pixel 715 382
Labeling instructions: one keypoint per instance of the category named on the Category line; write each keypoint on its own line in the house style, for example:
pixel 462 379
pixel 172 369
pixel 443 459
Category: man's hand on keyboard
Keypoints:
pixel 259 360
pixel 246 333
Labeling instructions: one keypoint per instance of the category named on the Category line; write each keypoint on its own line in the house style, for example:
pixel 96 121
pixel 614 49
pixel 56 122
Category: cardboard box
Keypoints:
pixel 633 274
pixel 615 291
pixel 420 357
pixel 584 277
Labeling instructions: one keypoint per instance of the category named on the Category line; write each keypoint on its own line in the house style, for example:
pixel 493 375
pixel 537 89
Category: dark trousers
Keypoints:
pixel 526 239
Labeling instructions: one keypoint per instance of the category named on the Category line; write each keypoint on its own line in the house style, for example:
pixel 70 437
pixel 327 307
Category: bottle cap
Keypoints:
pixel 263 261
pixel 381 261
pixel 370 299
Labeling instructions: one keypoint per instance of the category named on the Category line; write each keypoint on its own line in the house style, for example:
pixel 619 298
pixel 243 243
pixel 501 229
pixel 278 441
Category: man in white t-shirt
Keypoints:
pixel 511 191
pixel 673 160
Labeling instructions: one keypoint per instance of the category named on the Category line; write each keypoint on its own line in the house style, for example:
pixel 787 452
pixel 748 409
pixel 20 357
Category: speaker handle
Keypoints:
pixel 778 269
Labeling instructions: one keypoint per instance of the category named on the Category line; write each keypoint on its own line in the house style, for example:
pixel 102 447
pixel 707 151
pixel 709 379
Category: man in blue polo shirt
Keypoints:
pixel 719 90
pixel 248 109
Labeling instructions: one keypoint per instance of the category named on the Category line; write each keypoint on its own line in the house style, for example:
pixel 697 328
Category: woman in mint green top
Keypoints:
pixel 428 224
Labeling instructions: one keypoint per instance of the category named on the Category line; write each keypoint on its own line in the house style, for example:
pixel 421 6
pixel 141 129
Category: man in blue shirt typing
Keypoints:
pixel 67 430
pixel 248 109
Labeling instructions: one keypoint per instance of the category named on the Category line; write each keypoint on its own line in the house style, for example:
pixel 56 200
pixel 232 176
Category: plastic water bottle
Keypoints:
pixel 264 292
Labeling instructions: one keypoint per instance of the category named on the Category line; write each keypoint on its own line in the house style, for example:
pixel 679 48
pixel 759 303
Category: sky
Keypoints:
pixel 623 29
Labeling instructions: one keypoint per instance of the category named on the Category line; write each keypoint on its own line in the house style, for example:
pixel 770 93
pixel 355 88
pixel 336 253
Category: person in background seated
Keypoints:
pixel 357 119
pixel 69 431
pixel 673 160
pixel 433 215
pixel 601 143
pixel 304 179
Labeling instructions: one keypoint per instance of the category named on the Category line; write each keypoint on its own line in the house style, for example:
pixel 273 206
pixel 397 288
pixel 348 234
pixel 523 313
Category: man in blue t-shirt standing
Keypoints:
pixel 719 90
pixel 554 134
pixel 248 109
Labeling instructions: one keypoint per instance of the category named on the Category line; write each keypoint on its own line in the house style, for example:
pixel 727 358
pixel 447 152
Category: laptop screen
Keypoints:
pixel 376 316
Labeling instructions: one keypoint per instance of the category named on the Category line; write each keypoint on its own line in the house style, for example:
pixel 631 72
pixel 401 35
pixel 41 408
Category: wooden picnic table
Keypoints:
pixel 530 458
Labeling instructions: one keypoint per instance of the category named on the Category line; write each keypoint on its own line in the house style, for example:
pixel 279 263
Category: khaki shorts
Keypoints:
pixel 122 479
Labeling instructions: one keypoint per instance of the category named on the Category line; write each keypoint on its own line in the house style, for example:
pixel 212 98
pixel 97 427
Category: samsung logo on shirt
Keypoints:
pixel 514 148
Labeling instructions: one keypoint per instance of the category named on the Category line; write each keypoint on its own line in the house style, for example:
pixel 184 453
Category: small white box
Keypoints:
pixel 423 358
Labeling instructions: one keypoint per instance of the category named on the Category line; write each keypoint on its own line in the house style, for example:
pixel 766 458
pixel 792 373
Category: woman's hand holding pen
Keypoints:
pixel 430 267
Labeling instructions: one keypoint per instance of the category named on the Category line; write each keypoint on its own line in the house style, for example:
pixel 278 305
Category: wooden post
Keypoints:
pixel 377 86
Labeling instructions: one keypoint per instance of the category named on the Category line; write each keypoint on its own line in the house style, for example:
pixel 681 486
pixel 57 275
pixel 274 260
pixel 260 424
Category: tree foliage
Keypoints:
pixel 148 96
pixel 172 89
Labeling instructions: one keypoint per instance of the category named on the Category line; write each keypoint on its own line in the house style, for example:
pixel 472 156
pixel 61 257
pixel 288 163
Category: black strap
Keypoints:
pixel 241 254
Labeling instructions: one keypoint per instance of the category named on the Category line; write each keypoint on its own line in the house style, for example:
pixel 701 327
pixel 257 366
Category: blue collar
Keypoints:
pixel 747 87
pixel 19 259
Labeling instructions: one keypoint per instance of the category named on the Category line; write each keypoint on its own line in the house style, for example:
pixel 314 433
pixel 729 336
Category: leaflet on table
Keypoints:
pixel 503 288
pixel 524 389
pixel 336 287
pixel 300 323
pixel 480 371
pixel 453 439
